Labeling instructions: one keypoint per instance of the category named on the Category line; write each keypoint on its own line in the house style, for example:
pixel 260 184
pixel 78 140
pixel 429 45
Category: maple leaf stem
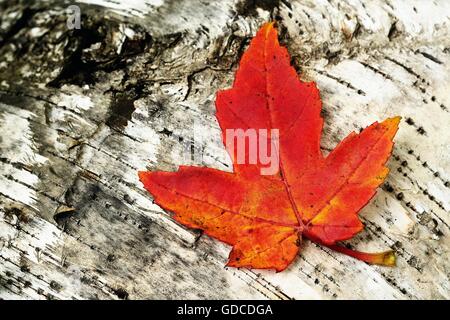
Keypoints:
pixel 386 258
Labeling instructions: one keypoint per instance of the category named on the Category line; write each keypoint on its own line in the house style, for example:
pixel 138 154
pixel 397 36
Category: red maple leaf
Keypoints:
pixel 264 217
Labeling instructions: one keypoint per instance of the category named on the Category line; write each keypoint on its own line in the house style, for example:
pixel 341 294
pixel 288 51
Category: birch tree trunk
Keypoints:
pixel 82 110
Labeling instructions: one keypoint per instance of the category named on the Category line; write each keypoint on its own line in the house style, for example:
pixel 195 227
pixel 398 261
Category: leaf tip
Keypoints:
pixel 142 176
pixel 392 122
pixel 396 120
pixel 267 28
pixel 390 125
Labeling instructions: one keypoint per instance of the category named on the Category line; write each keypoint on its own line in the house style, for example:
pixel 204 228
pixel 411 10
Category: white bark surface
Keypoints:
pixel 82 110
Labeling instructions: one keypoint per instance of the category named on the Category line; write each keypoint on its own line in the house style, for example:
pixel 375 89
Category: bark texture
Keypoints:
pixel 82 110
